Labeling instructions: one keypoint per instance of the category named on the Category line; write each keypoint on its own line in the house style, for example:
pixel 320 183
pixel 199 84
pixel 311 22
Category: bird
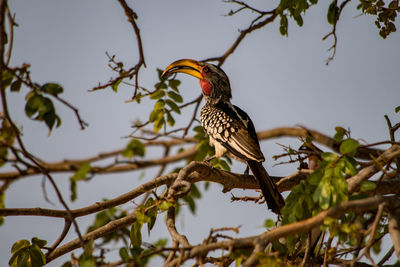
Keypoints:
pixel 229 128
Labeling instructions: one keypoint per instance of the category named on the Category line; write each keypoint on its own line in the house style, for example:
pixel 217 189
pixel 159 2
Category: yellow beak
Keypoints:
pixel 188 66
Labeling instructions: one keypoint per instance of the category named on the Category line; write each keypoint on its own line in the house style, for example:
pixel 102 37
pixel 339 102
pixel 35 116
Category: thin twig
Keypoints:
pixel 307 251
pixel 392 138
pixel 16 130
pixel 333 33
pixel 221 59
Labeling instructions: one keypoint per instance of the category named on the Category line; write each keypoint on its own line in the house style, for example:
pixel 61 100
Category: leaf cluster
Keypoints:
pixel 386 14
pixel 325 187
pixel 7 138
pixel 166 102
pixel 106 216
pixel 41 108
pixel 80 175
pixel 28 254
pixel 294 9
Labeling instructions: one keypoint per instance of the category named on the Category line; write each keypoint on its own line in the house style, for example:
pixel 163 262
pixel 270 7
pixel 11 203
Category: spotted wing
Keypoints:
pixel 233 128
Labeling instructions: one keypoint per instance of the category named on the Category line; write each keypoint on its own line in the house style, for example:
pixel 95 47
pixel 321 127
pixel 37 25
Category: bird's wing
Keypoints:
pixel 242 139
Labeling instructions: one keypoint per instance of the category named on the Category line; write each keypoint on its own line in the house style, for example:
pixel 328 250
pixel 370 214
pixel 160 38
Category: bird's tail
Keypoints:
pixel 271 194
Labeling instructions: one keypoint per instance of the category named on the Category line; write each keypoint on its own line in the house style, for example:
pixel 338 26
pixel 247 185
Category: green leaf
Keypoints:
pixel 46 106
pixel 328 156
pixel 23 259
pixel 2 206
pixel 159 124
pixel 20 244
pixel 269 223
pixel 315 177
pixel 16 86
pixel 325 197
pixel 87 260
pixel 194 191
pixel 81 174
pixel 52 89
pixel 221 164
pixel 37 257
pixel 161 85
pixel 397 109
pixel 43 108
pixel 159 72
pixel 115 85
pixel 156 114
pixel 367 186
pixel 299 20
pixel 50 119
pixel 175 96
pixel 283 28
pixel 170 119
pixel 152 214
pixel 135 252
pixel 13 262
pixel 376 247
pixel 340 132
pixel 173 106
pixel 136 235
pixel 162 242
pixel 190 201
pixel 124 254
pixel 141 217
pixel 7 78
pixel 173 84
pixel 157 94
pixel 159 104
pixel 134 148
pixel 350 166
pixel 333 13
pixel 24 254
pixel 41 243
pixel 349 147
pixel 165 205
pixel 73 187
pixel 203 149
pixel 33 104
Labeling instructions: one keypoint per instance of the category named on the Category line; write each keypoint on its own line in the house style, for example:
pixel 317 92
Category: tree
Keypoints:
pixel 350 197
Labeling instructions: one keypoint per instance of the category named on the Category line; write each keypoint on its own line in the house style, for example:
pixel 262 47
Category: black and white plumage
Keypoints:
pixel 229 128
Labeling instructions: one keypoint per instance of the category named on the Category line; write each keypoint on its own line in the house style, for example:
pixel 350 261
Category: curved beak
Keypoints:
pixel 188 66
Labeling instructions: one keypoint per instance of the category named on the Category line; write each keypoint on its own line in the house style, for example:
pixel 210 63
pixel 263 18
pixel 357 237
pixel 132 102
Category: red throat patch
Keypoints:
pixel 206 87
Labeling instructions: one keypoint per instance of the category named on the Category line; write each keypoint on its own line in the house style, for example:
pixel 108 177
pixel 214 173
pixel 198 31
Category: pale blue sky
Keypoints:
pixel 279 81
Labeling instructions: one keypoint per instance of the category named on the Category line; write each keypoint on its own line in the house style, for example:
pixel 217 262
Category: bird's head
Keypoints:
pixel 213 81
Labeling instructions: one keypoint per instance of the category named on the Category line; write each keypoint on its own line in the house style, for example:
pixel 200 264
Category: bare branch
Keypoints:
pixel 273 14
pixel 176 236
pixel 73 165
pixel 99 232
pixel 390 154
pixel 333 32
pixel 298 227
pixel 394 229
pixel 134 71
pixel 3 36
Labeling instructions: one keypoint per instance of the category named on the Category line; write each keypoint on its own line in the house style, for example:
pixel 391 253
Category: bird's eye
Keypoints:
pixel 206 69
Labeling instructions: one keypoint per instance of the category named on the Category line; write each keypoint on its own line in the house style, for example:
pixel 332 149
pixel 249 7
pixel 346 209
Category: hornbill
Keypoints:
pixel 229 128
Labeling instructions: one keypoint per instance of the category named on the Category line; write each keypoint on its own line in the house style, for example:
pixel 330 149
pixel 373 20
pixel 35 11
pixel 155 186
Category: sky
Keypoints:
pixel 278 81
